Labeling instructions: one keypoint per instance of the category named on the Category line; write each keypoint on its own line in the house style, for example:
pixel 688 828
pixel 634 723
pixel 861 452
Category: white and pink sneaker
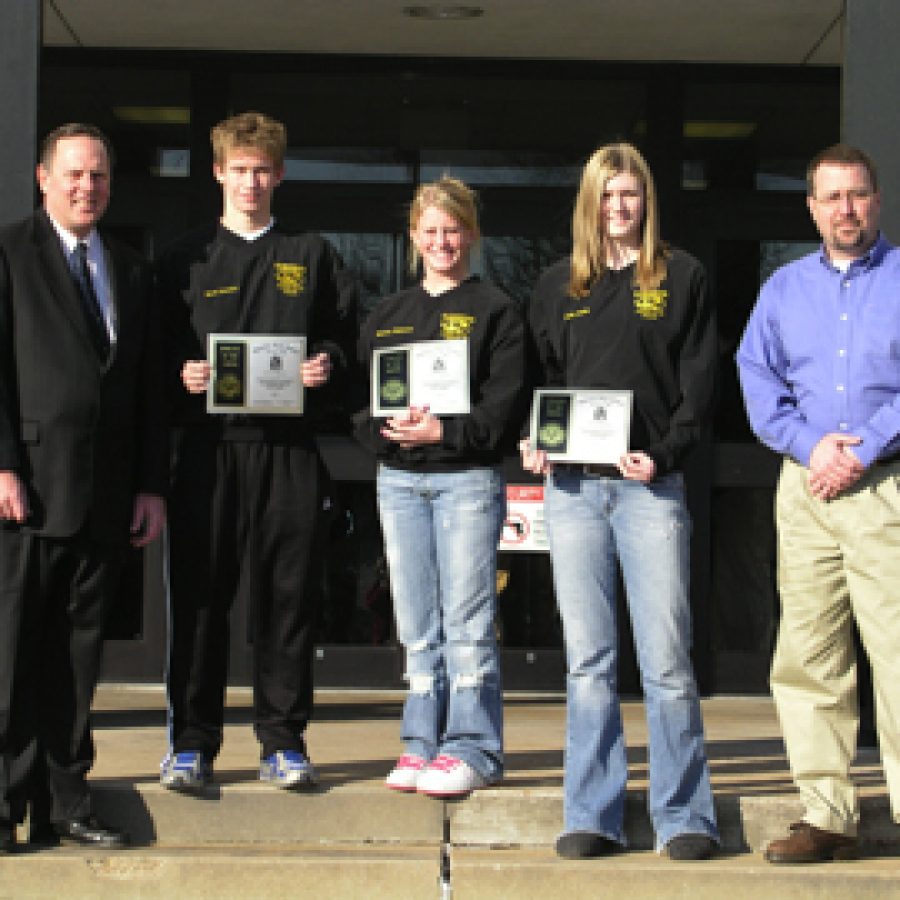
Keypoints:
pixel 405 774
pixel 447 776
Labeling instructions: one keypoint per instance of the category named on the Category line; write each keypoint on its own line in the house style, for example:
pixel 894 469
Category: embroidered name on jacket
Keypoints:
pixel 290 278
pixel 219 292
pixel 651 304
pixel 456 325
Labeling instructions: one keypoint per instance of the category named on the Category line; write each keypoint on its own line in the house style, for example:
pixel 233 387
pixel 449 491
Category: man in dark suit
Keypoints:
pixel 83 460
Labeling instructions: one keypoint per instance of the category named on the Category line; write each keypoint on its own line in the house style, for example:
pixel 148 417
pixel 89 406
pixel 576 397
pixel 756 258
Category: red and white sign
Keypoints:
pixel 523 528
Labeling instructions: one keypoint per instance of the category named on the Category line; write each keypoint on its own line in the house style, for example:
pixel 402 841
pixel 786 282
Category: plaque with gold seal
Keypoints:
pixel 423 373
pixel 582 426
pixel 255 374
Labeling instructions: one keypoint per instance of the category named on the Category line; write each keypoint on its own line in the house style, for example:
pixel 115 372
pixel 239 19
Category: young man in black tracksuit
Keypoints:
pixel 249 494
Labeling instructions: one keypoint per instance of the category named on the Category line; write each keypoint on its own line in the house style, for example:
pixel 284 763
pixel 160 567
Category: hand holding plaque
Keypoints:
pixel 432 374
pixel 583 426
pixel 255 374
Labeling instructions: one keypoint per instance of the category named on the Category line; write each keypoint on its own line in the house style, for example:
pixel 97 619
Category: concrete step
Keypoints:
pixel 353 838
pixel 250 812
pixel 257 813
pixel 324 872
pixel 501 817
pixel 336 872
pixel 247 840
pixel 522 874
pixel 765 818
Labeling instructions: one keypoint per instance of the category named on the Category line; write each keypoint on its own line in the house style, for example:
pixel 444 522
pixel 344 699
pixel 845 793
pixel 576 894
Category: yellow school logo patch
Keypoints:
pixel 456 325
pixel 290 278
pixel 651 304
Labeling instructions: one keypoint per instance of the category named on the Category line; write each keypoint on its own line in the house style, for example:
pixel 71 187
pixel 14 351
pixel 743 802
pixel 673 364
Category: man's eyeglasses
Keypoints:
pixel 860 195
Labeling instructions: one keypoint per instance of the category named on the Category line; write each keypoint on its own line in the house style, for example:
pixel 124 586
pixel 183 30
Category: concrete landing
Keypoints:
pixel 226 872
pixel 351 837
pixel 517 874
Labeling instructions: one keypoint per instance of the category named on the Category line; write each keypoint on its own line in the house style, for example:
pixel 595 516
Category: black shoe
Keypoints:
pixel 584 844
pixel 690 846
pixel 87 831
pixel 7 838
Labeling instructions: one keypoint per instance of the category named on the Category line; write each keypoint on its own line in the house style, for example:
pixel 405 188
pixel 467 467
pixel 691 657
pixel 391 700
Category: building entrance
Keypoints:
pixel 728 145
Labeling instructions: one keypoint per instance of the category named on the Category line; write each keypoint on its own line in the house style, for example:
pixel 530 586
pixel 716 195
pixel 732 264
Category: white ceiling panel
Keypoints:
pixel 738 31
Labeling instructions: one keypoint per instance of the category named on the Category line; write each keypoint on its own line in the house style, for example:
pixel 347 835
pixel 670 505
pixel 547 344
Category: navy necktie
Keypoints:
pixel 92 308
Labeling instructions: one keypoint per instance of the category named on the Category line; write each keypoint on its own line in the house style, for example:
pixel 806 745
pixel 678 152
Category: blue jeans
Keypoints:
pixel 440 534
pixel 592 522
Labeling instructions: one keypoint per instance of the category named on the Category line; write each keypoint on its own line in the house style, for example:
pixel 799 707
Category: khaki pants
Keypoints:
pixel 836 560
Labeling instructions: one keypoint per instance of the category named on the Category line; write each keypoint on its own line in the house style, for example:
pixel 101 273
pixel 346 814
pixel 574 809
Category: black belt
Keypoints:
pixel 590 470
pixel 262 433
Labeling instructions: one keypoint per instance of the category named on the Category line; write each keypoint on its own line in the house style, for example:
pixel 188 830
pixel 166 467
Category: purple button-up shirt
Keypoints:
pixel 821 353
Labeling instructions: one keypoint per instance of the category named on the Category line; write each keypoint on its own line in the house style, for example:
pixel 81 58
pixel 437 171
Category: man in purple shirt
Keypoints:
pixel 820 370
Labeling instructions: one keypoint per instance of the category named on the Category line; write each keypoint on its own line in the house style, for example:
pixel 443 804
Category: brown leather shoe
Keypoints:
pixel 808 844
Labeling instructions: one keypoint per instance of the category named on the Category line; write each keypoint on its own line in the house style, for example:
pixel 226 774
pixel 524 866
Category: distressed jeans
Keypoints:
pixel 591 523
pixel 440 535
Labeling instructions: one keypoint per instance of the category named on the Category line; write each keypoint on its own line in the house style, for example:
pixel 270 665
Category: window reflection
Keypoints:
pixel 774 254
pixel 756 136
pixel 502 168
pixel 514 263
pixel 145 112
pixel 374 259
pixel 346 164
pixel 173 162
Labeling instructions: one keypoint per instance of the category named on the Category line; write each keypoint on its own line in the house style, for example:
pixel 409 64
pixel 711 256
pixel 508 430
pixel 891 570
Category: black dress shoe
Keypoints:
pixel 7 838
pixel 90 833
pixel 691 846
pixel 585 844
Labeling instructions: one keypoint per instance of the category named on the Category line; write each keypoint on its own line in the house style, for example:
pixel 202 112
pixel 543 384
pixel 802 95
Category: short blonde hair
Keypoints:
pixel 249 130
pixel 450 195
pixel 589 243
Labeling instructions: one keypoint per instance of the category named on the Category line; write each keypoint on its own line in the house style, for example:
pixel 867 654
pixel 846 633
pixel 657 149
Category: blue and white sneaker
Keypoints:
pixel 288 769
pixel 186 772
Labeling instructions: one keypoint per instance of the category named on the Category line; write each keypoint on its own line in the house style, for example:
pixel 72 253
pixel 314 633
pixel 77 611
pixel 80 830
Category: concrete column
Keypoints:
pixel 20 53
pixel 870 113
pixel 870 119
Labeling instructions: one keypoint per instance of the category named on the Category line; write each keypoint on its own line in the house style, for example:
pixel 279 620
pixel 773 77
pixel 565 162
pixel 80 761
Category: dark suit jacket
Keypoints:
pixel 84 434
